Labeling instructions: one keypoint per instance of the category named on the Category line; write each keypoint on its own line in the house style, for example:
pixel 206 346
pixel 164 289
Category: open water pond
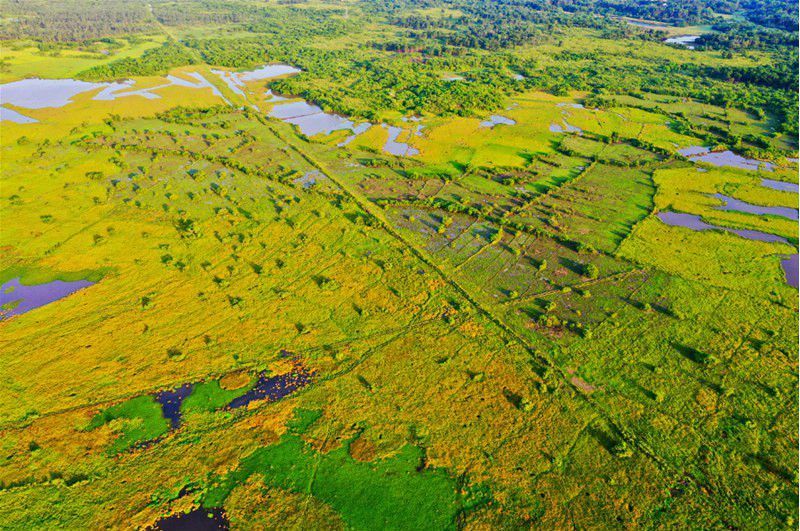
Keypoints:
pixel 694 222
pixel 20 298
pixel 683 40
pixel 736 205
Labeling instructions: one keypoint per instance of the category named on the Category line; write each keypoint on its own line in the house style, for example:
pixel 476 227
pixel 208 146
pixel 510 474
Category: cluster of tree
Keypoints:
pixel 201 12
pixel 153 62
pixel 469 31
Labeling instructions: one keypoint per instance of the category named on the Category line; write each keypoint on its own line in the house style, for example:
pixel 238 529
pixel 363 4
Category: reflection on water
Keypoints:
pixel 683 40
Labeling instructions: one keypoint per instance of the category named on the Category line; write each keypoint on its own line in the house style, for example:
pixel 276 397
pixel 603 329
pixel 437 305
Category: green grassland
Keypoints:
pixel 499 331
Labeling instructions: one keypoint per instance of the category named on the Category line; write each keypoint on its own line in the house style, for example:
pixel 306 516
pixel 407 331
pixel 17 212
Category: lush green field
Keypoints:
pixel 495 331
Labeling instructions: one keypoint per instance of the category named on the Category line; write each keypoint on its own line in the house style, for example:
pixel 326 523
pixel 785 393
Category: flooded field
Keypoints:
pixel 401 149
pixel 733 204
pixel 274 388
pixel 791 269
pixel 782 186
pixel 312 120
pixel 199 519
pixel 11 115
pixel 694 222
pixel 35 93
pixel 496 119
pixel 19 298
pixel 724 158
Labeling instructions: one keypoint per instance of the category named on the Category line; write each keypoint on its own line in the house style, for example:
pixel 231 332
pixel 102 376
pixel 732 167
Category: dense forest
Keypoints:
pixel 401 70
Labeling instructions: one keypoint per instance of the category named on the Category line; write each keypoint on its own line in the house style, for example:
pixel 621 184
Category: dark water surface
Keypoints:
pixel 274 388
pixel 196 520
pixel 171 401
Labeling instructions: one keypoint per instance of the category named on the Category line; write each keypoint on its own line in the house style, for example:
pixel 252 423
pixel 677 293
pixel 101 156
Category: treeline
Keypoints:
pixel 780 75
pixel 153 62
pixel 738 36
pixel 72 20
pixel 780 14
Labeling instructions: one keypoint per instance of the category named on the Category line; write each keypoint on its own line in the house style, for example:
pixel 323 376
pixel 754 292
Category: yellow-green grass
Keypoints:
pixel 718 259
pixel 83 109
pixel 688 189
pixel 30 62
